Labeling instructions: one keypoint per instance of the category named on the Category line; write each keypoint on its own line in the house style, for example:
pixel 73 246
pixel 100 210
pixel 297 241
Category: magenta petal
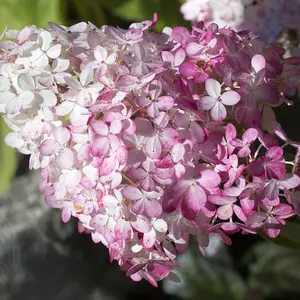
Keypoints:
pixel 230 98
pixel 107 166
pixel 198 132
pixel 189 69
pixel 209 179
pixel 282 209
pixel 169 137
pixel 244 152
pixel 180 34
pixel 195 199
pixel 250 135
pixel 272 190
pixel 138 206
pixel 100 146
pixel 239 213
pixel 230 132
pixel 275 153
pixel 217 199
pixel 152 208
pixel 147 183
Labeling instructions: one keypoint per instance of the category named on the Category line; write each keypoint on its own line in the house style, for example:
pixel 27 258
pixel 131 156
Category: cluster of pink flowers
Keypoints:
pixel 267 18
pixel 151 139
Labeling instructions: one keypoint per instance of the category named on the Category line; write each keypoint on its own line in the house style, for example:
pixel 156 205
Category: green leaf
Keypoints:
pixel 16 14
pixel 8 159
pixel 289 236
pixel 90 10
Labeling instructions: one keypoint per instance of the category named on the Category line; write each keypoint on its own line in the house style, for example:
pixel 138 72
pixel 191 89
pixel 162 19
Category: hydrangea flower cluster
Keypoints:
pixel 150 139
pixel 267 18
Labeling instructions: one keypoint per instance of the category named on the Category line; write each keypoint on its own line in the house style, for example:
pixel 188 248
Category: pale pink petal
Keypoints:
pixel 169 137
pixel 140 224
pixel 258 62
pixel 72 178
pixel 153 147
pixel 61 134
pixel 218 112
pixel 65 158
pixel 250 135
pixel 131 193
pixel 209 179
pixel 206 102
pixel 230 98
pixel 54 51
pixel 49 98
pixel 64 108
pixel 179 57
pixel 25 82
pixel 165 102
pixel 177 152
pixel 66 214
pixel 115 126
pixel 149 239
pixel 6 97
pixel 213 88
pixel 100 53
pixel 99 127
pixel 49 147
pixel 153 111
pixel 225 212
pixel 289 181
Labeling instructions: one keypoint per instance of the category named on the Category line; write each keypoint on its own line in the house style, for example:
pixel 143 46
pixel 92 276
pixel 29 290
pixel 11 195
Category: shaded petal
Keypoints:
pixel 206 102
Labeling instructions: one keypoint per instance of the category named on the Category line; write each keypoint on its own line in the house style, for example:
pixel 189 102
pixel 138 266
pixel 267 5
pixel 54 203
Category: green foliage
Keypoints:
pixel 15 14
pixel 8 159
pixel 289 236
pixel 90 10
pixel 137 10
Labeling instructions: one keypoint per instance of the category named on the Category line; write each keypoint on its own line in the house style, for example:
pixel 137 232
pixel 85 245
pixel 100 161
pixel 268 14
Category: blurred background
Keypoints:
pixel 41 258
